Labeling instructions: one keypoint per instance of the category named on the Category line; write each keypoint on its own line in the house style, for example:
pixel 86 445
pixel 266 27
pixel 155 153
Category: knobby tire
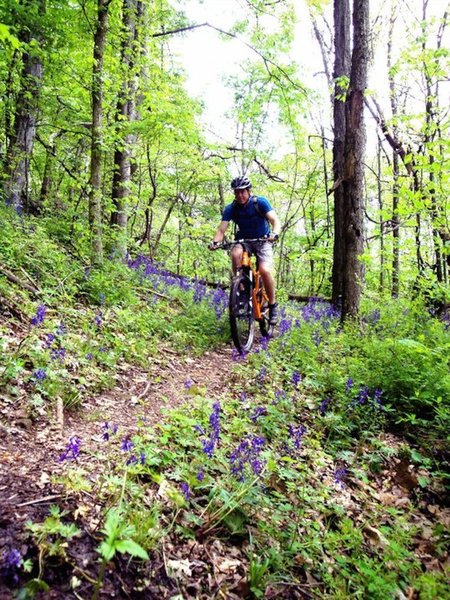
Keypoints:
pixel 241 314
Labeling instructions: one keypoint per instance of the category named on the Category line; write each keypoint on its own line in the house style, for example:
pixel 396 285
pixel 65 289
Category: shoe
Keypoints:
pixel 273 314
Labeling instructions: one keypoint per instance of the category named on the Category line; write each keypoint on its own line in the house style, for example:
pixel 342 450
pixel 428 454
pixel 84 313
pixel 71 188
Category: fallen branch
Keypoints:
pixel 308 298
pixel 11 277
pixel 39 500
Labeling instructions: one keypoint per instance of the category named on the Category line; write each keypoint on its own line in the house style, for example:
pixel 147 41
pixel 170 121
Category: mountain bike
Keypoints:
pixel 248 299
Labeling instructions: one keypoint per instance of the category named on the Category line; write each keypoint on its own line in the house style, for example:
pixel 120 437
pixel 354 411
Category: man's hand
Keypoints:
pixel 273 238
pixel 213 245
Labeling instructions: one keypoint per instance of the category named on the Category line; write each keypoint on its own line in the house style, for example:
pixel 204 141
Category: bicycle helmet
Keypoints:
pixel 241 183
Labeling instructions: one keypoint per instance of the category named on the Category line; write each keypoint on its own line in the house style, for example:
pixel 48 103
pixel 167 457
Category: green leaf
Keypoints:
pixel 131 547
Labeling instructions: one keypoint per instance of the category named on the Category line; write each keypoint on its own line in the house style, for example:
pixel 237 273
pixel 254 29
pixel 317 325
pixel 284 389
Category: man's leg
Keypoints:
pixel 236 258
pixel 269 282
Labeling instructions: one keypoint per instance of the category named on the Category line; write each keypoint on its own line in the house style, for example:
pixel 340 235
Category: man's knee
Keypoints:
pixel 236 254
pixel 265 269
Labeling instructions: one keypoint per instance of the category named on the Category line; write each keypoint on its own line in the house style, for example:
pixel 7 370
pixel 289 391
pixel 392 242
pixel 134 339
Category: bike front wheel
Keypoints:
pixel 241 313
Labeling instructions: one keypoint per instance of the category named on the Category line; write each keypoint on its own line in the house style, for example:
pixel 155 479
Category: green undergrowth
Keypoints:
pixel 81 327
pixel 293 467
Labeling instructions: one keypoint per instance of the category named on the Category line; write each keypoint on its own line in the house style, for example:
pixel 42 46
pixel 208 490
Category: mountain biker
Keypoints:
pixel 254 217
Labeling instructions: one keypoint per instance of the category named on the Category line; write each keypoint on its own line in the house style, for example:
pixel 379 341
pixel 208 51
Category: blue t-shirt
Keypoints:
pixel 250 224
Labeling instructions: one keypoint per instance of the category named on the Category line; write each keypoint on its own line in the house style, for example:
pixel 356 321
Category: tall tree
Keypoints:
pixel 17 163
pixel 95 191
pixel 125 114
pixel 342 58
pixel 353 182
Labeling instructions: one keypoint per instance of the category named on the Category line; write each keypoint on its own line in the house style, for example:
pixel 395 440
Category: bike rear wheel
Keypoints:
pixel 241 313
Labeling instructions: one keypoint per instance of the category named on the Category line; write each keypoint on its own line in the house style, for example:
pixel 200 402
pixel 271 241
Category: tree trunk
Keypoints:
pixel 341 74
pixel 124 115
pixel 355 141
pixel 381 219
pixel 95 203
pixel 17 163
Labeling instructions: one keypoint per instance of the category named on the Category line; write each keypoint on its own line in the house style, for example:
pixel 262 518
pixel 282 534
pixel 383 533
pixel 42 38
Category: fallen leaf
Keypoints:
pixel 375 536
pixel 179 569
pixel 229 564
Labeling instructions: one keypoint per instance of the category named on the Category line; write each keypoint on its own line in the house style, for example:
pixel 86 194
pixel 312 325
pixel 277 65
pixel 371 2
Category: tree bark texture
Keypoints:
pixel 395 219
pixel 353 183
pixel 341 72
pixel 19 152
pixel 126 113
pixel 95 200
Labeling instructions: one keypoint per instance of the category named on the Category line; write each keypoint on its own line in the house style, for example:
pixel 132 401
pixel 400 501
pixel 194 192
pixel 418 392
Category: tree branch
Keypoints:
pixel 267 61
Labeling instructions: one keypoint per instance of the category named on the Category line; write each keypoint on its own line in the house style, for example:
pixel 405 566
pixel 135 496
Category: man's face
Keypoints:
pixel 242 196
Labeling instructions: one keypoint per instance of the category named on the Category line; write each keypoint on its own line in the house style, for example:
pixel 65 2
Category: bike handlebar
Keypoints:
pixel 227 245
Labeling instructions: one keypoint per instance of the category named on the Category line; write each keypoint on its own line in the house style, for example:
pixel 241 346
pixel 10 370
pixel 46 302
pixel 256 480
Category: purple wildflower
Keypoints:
pixel 58 354
pixel 10 564
pixel 200 475
pixel 199 292
pixel 348 384
pixel 219 302
pixel 247 453
pixel 188 384
pixel 317 338
pixel 279 395
pixel 261 375
pixel 142 458
pixel 185 491
pixel 40 375
pixel 12 558
pixel 296 378
pixel 264 343
pixel 49 339
pixel 339 475
pixel 98 318
pixel 376 397
pixel 89 356
pixel 72 449
pixel 258 412
pixel 296 434
pixel 39 317
pixel 208 445
pixel 61 329
pixel 324 405
pixel 132 460
pixel 363 395
pixel 285 326
pixel 238 356
pixel 126 445
pixel 109 430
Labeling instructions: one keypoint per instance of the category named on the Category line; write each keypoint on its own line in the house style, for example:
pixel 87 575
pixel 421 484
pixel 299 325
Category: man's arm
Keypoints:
pixel 274 221
pixel 221 231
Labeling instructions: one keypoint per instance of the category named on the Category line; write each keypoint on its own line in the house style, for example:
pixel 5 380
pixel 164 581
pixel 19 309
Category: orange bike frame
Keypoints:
pixel 258 292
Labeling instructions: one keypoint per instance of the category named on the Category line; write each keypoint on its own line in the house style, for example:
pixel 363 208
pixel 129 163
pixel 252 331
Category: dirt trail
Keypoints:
pixel 29 451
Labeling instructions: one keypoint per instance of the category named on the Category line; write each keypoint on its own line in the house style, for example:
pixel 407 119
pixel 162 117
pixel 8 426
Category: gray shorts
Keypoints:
pixel 264 253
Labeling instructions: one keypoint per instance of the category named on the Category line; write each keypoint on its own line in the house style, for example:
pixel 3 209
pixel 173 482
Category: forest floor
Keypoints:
pixel 29 465
pixel 30 449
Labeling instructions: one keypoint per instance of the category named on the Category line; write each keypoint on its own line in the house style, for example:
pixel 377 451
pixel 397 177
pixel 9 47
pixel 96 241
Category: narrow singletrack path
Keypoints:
pixel 30 450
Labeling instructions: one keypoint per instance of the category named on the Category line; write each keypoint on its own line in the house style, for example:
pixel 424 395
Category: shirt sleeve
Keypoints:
pixel 227 214
pixel 264 205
